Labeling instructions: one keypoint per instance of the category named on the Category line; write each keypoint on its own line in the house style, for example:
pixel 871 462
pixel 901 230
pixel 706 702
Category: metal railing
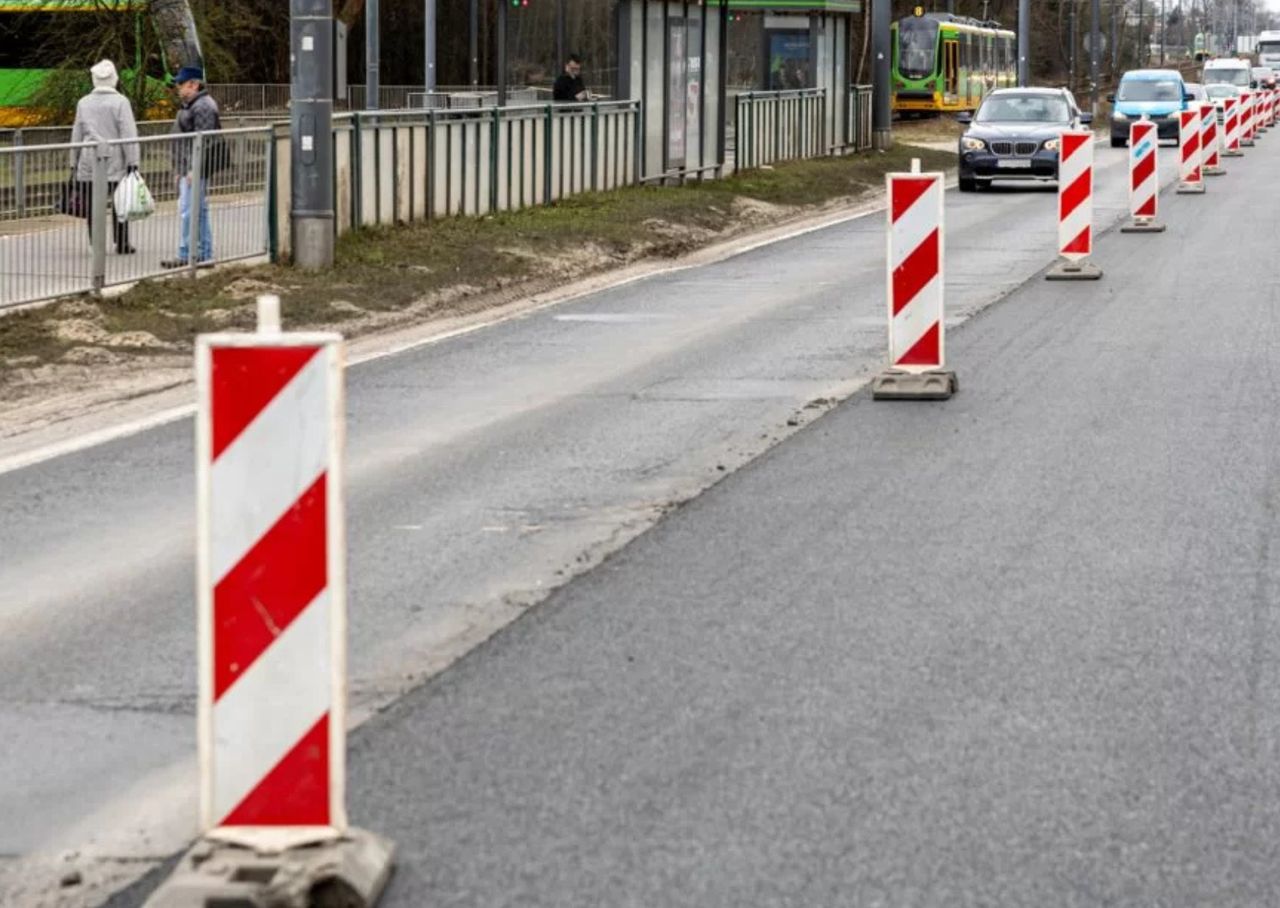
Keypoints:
pixel 59 234
pixel 400 166
pixel 772 126
pixel 857 121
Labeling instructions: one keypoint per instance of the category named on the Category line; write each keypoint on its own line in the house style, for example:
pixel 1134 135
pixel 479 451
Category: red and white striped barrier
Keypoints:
pixel 1231 127
pixel 915 278
pixel 1210 143
pixel 1075 207
pixel 1248 104
pixel 1189 180
pixel 1144 172
pixel 271 594
pixel 272 590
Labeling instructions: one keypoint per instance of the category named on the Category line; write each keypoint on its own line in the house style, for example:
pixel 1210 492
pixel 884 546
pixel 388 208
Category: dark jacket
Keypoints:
pixel 200 114
pixel 567 87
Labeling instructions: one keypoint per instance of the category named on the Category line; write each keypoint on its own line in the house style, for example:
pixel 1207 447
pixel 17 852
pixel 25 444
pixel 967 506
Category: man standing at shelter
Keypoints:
pixel 569 85
pixel 198 113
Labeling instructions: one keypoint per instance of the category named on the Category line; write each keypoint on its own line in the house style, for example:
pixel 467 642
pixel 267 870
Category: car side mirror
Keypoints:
pixel 1253 84
pixel 1111 99
pixel 1086 118
pixel 1187 96
pixel 964 117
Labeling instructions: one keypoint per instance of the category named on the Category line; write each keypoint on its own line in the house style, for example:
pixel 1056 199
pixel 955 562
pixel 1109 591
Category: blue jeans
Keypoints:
pixel 184 214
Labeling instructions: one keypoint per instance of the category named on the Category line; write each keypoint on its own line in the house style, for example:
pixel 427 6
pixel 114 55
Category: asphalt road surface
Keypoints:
pixel 1011 649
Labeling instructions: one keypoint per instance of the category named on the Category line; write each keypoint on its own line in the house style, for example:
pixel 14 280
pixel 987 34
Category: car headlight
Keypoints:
pixel 1119 116
pixel 969 144
pixel 1051 145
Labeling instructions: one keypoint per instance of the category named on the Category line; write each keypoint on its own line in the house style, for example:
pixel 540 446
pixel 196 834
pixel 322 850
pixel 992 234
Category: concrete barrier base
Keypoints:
pixel 1143 226
pixel 1190 188
pixel 898 385
pixel 1074 271
pixel 1214 172
pixel 350 871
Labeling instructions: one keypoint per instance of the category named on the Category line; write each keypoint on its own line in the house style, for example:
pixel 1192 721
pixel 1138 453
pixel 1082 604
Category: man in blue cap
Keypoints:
pixel 198 113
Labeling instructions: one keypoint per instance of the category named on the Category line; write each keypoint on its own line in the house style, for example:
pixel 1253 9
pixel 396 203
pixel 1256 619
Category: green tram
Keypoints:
pixel 945 62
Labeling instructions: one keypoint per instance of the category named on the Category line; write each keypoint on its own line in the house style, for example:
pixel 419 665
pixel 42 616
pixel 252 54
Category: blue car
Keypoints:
pixel 1159 94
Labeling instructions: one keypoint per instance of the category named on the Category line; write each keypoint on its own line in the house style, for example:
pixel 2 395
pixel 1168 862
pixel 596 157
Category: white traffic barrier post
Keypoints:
pixel 1231 127
pixel 1189 180
pixel 1247 104
pixel 1075 208
pixel 1144 177
pixel 271 587
pixel 915 280
pixel 1210 141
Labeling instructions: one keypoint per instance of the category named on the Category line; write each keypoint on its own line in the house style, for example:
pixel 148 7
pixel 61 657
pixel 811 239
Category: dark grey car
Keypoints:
pixel 1014 136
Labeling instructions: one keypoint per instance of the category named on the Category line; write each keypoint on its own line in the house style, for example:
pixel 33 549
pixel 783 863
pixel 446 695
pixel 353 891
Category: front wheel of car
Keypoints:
pixel 968 184
pixel 1117 143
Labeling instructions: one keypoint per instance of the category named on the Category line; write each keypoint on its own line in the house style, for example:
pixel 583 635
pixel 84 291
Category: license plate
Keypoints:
pixel 1014 165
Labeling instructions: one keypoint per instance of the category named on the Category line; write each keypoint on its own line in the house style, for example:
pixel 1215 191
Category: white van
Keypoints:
pixel 1269 50
pixel 1227 70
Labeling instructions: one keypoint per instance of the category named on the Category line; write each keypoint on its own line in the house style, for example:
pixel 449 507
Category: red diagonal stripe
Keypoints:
pixel 245 380
pixel 1080 244
pixel 1073 142
pixel 296 791
pixel 1191 146
pixel 1074 195
pixel 1143 169
pixel 1140 132
pixel 916 270
pixel 269 587
pixel 925 352
pixel 1147 209
pixel 906 191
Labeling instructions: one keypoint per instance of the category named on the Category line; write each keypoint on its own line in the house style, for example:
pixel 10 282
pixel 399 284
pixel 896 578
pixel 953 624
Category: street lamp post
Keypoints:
pixel 371 55
pixel 1024 42
pixel 882 115
pixel 311 170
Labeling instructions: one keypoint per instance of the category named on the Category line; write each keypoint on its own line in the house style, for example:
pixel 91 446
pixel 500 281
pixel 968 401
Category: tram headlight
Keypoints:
pixel 969 144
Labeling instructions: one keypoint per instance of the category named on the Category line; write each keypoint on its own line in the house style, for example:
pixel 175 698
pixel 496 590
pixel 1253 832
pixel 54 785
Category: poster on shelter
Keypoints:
pixel 789 60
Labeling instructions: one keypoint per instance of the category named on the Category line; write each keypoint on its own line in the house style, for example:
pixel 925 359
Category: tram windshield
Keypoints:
pixel 917 41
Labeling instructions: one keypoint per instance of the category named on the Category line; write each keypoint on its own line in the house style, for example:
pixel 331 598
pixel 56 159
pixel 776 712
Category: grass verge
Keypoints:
pixel 393 276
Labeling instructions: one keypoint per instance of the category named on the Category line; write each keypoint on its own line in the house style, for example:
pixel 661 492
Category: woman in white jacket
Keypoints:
pixel 102 116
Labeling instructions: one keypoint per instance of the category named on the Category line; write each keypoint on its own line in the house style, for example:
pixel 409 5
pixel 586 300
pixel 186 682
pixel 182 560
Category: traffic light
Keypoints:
pixel 519 4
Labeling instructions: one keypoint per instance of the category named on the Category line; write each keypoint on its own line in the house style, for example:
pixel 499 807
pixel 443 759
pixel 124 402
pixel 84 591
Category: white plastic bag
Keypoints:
pixel 133 201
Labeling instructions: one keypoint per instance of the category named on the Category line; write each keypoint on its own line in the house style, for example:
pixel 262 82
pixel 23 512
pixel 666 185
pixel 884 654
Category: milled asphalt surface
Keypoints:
pixel 1015 649
pixel 736 702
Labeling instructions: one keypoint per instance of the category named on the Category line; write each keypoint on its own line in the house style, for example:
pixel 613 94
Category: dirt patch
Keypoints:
pixel 84 352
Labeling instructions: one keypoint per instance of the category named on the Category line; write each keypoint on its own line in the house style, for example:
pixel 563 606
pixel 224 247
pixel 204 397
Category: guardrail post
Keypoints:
pixel 357 168
pixel 98 208
pixel 595 147
pixel 19 175
pixel 194 201
pixel 495 130
pixel 548 146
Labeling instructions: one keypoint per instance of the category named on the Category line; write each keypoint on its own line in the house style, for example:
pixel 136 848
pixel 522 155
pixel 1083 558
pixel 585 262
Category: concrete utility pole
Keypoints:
pixel 371 55
pixel 1024 42
pixel 1095 39
pixel 1115 44
pixel 881 104
pixel 1163 25
pixel 473 35
pixel 311 129
pixel 1142 46
pixel 429 40
pixel 562 40
pixel 502 53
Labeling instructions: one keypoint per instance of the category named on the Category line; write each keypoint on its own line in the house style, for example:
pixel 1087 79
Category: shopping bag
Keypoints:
pixel 133 201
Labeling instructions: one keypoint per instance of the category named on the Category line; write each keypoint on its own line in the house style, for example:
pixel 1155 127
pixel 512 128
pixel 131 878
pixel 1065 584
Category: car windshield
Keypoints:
pixel 1149 90
pixel 1237 76
pixel 1221 91
pixel 916 41
pixel 1023 109
pixel 1269 47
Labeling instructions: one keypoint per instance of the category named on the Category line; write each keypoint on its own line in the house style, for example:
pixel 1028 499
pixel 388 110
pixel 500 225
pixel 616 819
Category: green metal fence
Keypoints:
pixel 772 126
